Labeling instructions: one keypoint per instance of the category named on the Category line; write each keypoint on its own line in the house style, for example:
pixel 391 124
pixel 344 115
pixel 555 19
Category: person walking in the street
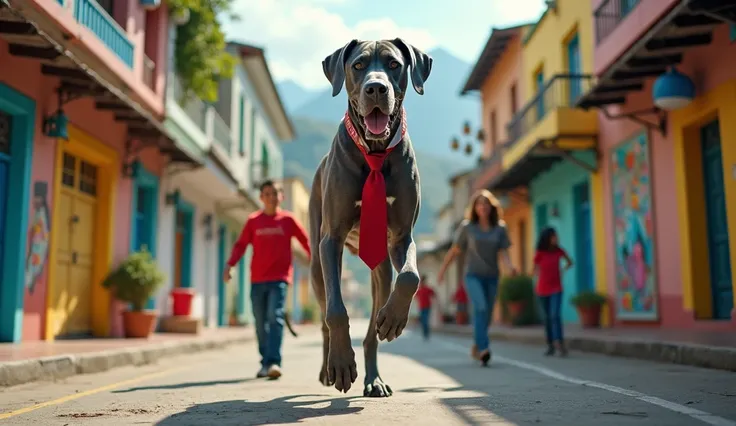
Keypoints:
pixel 270 231
pixel 483 238
pixel 549 287
pixel 424 296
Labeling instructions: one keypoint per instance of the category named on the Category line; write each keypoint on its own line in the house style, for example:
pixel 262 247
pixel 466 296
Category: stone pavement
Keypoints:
pixel 689 347
pixel 40 360
pixel 434 383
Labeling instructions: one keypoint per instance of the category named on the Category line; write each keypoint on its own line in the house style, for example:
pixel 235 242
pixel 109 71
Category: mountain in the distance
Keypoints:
pixel 294 95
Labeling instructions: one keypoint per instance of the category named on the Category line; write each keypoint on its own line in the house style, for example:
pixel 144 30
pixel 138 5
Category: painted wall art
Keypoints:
pixel 636 281
pixel 38 238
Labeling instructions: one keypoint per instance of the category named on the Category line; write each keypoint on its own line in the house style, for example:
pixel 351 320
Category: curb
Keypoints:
pixel 63 366
pixel 713 357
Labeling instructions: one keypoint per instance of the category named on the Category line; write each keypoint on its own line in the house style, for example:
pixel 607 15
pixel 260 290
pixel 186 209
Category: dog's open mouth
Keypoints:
pixel 377 122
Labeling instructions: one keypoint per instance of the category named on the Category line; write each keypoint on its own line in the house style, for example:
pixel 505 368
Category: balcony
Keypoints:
pixel 222 136
pixel 551 116
pixel 91 15
pixel 609 15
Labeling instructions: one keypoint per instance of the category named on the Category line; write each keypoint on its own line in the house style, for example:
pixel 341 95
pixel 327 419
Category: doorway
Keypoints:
pixel 583 237
pixel 719 254
pixel 183 239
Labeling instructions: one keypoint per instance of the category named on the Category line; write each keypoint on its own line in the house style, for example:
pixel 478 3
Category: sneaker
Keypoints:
pixel 274 372
pixel 485 357
pixel 550 351
pixel 263 372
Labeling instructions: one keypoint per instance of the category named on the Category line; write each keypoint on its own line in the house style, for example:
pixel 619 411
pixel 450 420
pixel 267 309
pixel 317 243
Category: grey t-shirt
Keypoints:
pixel 481 247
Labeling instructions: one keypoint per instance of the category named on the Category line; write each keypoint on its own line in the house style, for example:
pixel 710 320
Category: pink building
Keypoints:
pixel 669 176
pixel 68 214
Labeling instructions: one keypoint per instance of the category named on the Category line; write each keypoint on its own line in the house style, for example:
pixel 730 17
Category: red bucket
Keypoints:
pixel 182 301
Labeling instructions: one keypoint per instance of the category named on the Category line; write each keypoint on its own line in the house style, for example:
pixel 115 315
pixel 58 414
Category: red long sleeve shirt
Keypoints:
pixel 271 240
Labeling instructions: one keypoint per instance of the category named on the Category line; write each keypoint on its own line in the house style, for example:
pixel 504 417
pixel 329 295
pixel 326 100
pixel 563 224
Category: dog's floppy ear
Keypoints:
pixel 420 62
pixel 334 66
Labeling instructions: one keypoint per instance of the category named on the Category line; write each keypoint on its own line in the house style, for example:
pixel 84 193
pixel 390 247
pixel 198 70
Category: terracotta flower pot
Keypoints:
pixel 516 308
pixel 590 316
pixel 139 324
pixel 461 317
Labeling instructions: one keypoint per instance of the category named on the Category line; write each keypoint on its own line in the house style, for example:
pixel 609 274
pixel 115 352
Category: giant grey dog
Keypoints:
pixel 375 74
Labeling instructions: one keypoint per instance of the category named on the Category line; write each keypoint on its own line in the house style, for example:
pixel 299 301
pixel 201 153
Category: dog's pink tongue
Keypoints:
pixel 376 122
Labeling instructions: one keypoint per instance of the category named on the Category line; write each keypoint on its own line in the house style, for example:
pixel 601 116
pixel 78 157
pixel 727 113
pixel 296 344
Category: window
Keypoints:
pixel 574 69
pixel 733 32
pixel 539 88
pixel 514 106
pixel 68 170
pixel 88 178
pixel 264 161
pixel 493 130
pixel 241 130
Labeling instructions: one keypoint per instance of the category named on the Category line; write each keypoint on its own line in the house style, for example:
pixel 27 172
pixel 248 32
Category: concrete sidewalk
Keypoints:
pixel 35 361
pixel 695 348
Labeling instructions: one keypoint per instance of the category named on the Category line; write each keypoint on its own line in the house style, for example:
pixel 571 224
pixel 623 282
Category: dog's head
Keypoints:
pixel 376 74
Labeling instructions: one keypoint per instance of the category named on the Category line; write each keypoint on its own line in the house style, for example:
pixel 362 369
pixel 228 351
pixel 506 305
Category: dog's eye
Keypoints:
pixel 358 66
pixel 393 65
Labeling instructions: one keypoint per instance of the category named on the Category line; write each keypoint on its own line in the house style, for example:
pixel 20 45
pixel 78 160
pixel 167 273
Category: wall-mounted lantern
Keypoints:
pixel 55 125
pixel 673 90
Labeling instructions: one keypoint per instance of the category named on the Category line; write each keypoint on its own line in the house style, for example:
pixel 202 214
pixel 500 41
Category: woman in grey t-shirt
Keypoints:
pixel 482 237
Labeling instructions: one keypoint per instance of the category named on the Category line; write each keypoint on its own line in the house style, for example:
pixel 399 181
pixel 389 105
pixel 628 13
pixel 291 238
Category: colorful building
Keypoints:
pixel 497 75
pixel 70 142
pixel 103 160
pixel 548 161
pixel 669 174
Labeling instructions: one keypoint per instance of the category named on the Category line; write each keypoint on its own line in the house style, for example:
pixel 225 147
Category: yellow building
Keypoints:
pixel 549 158
pixel 296 200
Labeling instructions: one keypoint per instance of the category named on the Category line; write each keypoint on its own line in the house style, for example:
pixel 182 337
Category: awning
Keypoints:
pixel 540 158
pixel 688 24
pixel 77 80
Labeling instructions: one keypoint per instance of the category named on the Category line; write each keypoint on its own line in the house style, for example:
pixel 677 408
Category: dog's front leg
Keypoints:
pixel 341 367
pixel 393 317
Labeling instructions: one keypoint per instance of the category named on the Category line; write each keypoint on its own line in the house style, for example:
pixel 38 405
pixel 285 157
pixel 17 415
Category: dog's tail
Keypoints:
pixel 288 325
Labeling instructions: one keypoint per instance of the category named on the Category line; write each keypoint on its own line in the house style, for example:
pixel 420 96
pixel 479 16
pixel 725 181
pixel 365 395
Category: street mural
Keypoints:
pixel 636 285
pixel 38 239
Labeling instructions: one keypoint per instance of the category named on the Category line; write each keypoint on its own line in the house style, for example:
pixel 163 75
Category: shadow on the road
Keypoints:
pixel 283 410
pixel 187 385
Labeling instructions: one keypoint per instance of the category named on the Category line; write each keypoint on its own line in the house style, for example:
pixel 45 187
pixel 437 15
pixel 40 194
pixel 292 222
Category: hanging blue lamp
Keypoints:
pixel 55 126
pixel 673 90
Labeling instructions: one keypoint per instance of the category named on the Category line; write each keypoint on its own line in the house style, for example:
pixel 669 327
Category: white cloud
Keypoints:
pixel 299 34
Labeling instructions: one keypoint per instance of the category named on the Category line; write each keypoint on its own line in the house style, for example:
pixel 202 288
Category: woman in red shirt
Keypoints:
pixel 549 287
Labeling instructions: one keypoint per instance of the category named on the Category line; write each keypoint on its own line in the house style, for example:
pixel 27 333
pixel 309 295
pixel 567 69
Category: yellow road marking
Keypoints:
pixel 87 393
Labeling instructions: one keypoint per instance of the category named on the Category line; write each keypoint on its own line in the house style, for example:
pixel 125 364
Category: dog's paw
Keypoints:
pixel 376 388
pixel 391 319
pixel 324 378
pixel 341 368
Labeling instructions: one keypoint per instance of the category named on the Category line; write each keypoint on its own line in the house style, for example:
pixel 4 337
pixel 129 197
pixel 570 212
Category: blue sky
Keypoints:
pixel 298 34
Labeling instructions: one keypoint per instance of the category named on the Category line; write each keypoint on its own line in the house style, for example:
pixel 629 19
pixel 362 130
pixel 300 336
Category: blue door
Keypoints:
pixel 540 217
pixel 583 238
pixel 539 83
pixel 719 254
pixel 573 68
pixel 4 162
pixel 221 235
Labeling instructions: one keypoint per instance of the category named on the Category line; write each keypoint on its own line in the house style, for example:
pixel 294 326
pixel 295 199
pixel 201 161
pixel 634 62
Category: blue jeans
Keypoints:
pixel 552 306
pixel 268 301
pixel 424 320
pixel 482 295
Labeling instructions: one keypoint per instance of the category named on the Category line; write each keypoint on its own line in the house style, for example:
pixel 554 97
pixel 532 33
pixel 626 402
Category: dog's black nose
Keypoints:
pixel 375 88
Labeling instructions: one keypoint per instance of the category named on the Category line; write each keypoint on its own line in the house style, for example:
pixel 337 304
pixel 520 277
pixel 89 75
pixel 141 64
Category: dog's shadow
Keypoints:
pixel 283 410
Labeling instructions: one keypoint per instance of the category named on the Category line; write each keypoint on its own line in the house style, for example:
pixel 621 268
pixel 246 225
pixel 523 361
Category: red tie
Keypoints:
pixel 373 243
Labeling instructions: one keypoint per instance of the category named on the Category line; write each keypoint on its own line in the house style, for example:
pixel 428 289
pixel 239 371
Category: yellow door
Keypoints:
pixel 72 298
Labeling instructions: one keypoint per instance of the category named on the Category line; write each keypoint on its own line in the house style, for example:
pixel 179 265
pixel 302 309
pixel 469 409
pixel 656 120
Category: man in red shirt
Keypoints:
pixel 424 297
pixel 269 231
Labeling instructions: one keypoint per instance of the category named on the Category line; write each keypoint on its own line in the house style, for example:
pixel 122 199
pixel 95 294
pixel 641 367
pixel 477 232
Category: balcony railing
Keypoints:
pixel 222 134
pixel 93 16
pixel 149 72
pixel 194 107
pixel 562 90
pixel 609 15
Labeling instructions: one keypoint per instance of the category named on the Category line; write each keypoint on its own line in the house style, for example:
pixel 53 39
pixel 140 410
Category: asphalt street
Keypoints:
pixel 434 383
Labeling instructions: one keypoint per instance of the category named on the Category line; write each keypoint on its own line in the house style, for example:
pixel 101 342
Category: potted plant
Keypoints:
pixel 308 314
pixel 589 304
pixel 517 293
pixel 135 281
